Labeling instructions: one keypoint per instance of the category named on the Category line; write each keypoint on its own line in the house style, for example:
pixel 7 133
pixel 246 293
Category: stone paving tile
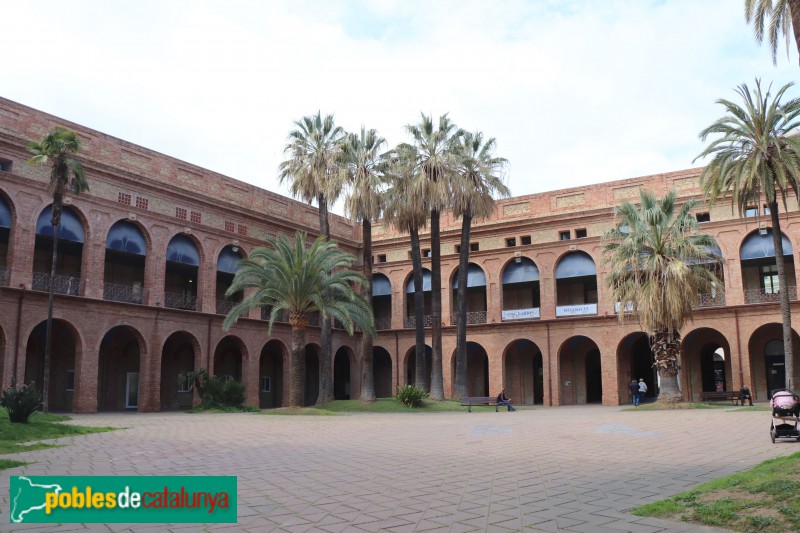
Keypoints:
pixel 573 468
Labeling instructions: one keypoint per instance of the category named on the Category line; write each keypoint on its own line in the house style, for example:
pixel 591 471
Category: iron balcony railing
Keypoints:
pixel 711 300
pixel 71 285
pixel 757 296
pixel 224 306
pixel 473 317
pixel 175 300
pixel 411 322
pixel 5 275
pixel 117 292
pixel 283 317
pixel 313 320
pixel 383 323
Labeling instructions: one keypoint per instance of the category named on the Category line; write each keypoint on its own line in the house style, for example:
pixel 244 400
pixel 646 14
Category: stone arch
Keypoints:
pixel 767 367
pixel 119 369
pixel 706 364
pixel 67 347
pixel 635 361
pixel 180 354
pixel 312 374
pixel 382 372
pixel 229 357
pixel 580 375
pixel 523 372
pixel 410 366
pixel 272 367
pixel 344 373
pixel 477 370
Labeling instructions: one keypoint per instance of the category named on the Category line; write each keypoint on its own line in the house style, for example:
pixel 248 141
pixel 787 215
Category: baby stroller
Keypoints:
pixel 785 409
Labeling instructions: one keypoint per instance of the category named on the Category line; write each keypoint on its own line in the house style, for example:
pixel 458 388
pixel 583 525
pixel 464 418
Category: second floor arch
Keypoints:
pixel 521 291
pixel 123 275
pixel 759 269
pixel 71 233
pixel 576 285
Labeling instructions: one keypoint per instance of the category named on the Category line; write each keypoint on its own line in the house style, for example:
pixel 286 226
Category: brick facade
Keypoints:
pixel 588 356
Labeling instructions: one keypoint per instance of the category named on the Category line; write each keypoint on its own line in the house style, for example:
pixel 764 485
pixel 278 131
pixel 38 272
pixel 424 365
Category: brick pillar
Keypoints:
pixel 250 377
pixel 86 365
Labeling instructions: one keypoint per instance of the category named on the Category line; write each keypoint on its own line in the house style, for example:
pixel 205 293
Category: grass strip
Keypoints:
pixel 40 427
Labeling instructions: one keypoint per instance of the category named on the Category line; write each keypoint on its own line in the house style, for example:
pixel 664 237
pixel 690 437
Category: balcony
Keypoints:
pixel 187 302
pixel 282 318
pixel 224 306
pixel 520 314
pixel 760 296
pixel 133 294
pixel 710 300
pixel 473 317
pixel 576 310
pixel 383 323
pixel 411 322
pixel 70 285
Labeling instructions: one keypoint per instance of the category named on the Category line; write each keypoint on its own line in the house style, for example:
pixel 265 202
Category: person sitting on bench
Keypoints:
pixel 502 399
pixel 744 394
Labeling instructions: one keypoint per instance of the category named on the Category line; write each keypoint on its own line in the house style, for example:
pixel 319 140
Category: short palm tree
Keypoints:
pixel 476 182
pixel 784 19
pixel 57 150
pixel 659 266
pixel 362 165
pixel 436 163
pixel 757 156
pixel 311 167
pixel 406 210
pixel 290 276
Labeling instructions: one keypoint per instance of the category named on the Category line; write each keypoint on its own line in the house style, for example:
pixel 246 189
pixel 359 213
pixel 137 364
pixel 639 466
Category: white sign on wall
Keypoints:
pixel 521 314
pixel 576 310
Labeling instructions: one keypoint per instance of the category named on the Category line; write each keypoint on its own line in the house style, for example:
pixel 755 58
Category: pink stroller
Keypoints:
pixel 785 409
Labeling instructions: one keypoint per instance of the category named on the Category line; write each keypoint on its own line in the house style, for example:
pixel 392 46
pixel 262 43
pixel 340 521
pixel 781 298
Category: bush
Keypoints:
pixel 21 402
pixel 216 392
pixel 411 396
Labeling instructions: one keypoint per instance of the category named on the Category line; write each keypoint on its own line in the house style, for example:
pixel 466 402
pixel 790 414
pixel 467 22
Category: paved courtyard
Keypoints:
pixel 543 469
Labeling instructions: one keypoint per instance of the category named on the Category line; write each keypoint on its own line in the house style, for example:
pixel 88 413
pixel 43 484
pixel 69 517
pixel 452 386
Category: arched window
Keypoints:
pixel 576 285
pixel 520 290
pixel 123 277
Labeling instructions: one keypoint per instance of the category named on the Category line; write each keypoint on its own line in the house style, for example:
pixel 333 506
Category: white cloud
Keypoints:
pixel 575 93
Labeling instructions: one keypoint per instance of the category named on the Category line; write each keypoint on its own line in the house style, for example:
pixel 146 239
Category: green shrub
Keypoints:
pixel 411 396
pixel 21 402
pixel 216 392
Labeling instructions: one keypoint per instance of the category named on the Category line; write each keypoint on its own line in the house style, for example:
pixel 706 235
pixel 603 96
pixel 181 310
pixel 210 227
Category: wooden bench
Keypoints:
pixel 724 396
pixel 469 401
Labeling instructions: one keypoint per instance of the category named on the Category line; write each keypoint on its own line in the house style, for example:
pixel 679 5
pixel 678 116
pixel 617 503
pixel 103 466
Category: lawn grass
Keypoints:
pixel 381 405
pixel 40 427
pixel 763 498
pixel 7 463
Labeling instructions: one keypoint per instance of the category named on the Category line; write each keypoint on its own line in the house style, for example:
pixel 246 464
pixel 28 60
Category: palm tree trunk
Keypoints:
pixel 786 312
pixel 437 385
pixel 367 376
pixel 298 367
pixel 794 10
pixel 419 312
pixel 666 350
pixel 461 315
pixel 326 328
pixel 48 336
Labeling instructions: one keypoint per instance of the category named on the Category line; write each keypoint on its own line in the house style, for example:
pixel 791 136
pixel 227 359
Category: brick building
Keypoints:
pixel 145 258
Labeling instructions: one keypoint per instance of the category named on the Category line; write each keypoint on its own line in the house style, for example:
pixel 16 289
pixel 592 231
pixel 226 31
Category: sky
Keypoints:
pixel 575 92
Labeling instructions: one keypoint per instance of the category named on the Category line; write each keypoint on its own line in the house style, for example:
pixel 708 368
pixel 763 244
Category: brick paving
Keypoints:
pixel 577 469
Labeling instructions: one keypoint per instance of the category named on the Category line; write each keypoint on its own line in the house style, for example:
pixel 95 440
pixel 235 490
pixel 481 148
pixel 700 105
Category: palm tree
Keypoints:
pixel 407 211
pixel 362 164
pixel 435 167
pixel 659 266
pixel 57 149
pixel 289 276
pixel 476 182
pixel 312 152
pixel 783 15
pixel 758 156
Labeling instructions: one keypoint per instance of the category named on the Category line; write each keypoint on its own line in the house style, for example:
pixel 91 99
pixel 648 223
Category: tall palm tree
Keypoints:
pixel 476 181
pixel 362 164
pixel 289 276
pixel 57 150
pixel 659 266
pixel 407 211
pixel 783 15
pixel 755 157
pixel 312 151
pixel 435 167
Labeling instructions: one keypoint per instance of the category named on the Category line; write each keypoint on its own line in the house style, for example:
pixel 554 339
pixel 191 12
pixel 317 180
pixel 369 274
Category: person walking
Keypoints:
pixel 502 399
pixel 642 389
pixel 634 388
